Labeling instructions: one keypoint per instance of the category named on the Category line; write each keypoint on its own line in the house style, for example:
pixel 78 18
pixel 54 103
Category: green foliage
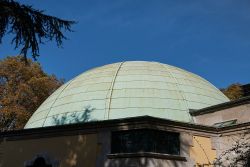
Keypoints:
pixel 30 26
pixel 23 87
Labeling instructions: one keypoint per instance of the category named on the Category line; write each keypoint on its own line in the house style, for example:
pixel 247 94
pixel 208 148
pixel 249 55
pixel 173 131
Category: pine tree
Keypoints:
pixel 30 27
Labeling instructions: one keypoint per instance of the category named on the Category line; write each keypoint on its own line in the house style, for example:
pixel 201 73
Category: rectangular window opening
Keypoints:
pixel 145 140
pixel 225 123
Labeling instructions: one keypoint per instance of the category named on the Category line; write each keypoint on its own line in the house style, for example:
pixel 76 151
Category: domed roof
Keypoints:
pixel 127 89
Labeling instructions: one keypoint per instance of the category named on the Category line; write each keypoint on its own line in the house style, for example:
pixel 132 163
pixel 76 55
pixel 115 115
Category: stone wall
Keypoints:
pixel 241 113
pixel 63 151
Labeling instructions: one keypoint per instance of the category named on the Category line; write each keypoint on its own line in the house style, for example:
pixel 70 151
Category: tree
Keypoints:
pixel 237 155
pixel 233 91
pixel 30 26
pixel 23 87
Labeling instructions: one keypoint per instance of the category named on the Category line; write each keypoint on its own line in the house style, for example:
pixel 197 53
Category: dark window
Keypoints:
pixel 145 140
pixel 247 162
pixel 225 123
pixel 39 162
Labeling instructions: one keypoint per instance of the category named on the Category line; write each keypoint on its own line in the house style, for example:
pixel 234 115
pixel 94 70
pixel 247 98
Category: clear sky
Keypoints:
pixel 210 37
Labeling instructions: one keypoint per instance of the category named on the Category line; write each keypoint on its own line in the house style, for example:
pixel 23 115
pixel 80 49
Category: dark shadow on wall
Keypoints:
pixel 42 160
pixel 39 162
pixel 75 117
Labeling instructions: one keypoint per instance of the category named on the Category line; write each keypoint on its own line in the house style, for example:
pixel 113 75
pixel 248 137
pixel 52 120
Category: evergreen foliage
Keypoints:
pixel 30 27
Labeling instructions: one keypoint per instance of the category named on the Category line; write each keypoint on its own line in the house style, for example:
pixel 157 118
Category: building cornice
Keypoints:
pixel 113 125
pixel 93 127
pixel 218 107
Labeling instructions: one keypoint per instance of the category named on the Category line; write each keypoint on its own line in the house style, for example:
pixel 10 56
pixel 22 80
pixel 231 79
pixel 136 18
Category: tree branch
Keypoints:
pixel 30 27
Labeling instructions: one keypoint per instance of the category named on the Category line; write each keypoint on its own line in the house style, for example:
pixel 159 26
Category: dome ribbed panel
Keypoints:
pixel 129 89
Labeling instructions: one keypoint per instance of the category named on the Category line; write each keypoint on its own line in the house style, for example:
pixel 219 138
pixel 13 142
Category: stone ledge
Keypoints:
pixel 147 155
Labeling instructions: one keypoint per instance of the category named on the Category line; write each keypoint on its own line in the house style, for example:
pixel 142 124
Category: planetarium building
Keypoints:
pixel 129 114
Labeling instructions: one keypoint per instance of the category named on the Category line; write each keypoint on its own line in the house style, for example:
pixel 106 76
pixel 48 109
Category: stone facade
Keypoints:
pixel 89 144
pixel 241 113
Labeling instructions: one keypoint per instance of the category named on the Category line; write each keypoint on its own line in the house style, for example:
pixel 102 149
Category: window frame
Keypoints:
pixel 154 136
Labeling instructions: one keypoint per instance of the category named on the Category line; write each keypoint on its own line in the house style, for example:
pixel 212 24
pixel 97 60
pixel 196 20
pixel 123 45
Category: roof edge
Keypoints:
pixel 93 127
pixel 90 127
pixel 218 107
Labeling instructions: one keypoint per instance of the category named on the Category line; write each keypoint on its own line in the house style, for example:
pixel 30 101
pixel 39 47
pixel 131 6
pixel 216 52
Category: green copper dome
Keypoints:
pixel 127 89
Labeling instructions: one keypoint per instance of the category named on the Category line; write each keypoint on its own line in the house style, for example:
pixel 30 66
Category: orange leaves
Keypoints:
pixel 23 87
pixel 233 91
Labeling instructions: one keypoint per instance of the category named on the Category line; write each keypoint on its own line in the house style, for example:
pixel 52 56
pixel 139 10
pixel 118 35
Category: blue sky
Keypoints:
pixel 210 37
